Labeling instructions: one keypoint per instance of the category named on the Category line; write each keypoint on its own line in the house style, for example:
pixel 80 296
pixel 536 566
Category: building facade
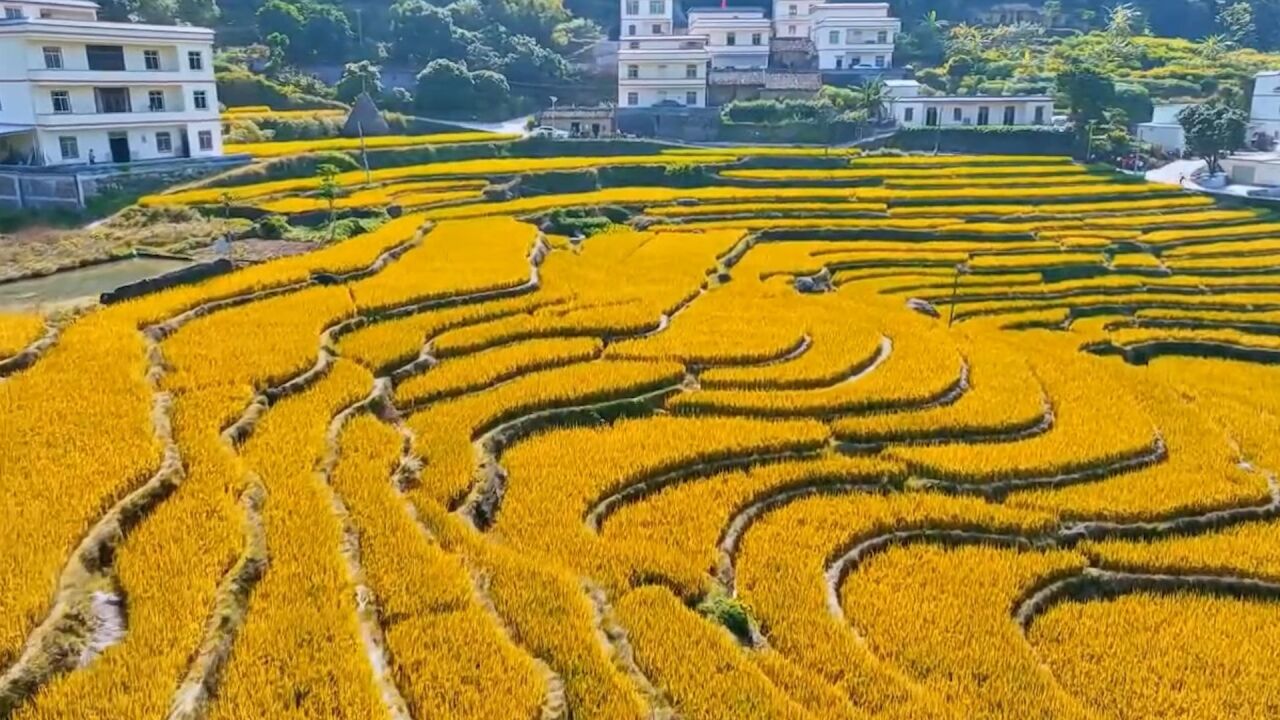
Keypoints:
pixel 853 36
pixel 911 108
pixel 1264 113
pixel 1164 132
pixel 661 63
pixel 76 90
pixel 737 38
pixel 663 71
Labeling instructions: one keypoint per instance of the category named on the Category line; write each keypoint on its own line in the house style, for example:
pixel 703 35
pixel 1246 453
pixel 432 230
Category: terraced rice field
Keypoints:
pixel 919 437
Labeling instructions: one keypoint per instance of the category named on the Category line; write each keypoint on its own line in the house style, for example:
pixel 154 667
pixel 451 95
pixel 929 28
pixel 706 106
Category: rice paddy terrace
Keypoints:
pixel 889 437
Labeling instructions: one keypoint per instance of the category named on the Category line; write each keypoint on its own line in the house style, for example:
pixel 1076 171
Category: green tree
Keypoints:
pixel 490 89
pixel 1088 92
pixel 421 32
pixel 444 85
pixel 359 77
pixel 1051 11
pixel 277 17
pixel 1213 128
pixel 1237 24
pixel 958 68
pixel 329 190
pixel 529 65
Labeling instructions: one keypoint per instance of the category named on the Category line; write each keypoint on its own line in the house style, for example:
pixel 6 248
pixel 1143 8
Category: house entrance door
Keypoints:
pixel 119 147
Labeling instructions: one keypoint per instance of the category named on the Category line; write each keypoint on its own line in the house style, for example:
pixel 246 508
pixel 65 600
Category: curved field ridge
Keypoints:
pixel 823 435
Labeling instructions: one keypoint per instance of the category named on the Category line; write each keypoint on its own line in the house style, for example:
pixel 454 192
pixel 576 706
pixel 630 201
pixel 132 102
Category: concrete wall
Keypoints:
pixel 66 189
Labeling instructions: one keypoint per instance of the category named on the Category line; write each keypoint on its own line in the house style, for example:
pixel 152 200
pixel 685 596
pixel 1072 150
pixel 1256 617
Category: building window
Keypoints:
pixel 691 71
pixel 155 100
pixel 791 31
pixel 633 45
pixel 731 39
pixel 657 29
pixel 908 115
pixel 151 59
pixel 849 37
pixel 61 101
pixel 855 61
pixel 1010 114
pixel 757 39
pixel 53 58
pixel 839 63
pixel 195 60
pixel 70 147
pixel 13 13
pixel 105 57
pixel 113 100
pixel 984 115
pixel 631 29
pixel 164 143
pixel 657 7
pixel 957 115
pixel 205 138
pixel 691 98
pixel 633 98
pixel 633 72
pixel 882 37
pixel 792 11
pixel 1039 114
pixel 833 37
pixel 931 117
pixel 200 99
pixel 879 61
pixel 633 7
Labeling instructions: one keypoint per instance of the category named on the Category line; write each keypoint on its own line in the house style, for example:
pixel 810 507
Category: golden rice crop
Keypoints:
pixel 1228 248
pixel 410 194
pixel 780 572
pixel 1003 395
pixel 921 366
pixel 297 147
pixel 1086 208
pixel 449 657
pixel 17 331
pixel 1002 181
pixel 944 613
pixel 458 376
pixel 446 430
pixel 299 650
pixel 832 206
pixel 489 167
pixel 1167 237
pixel 59 477
pixel 703 668
pixel 674 533
pixel 951 160
pixel 454 259
pixel 767 151
pixel 1071 445
pixel 1248 549
pixel 857 172
pixel 1005 194
pixel 1143 655
pixel 260 112
pixel 1248 262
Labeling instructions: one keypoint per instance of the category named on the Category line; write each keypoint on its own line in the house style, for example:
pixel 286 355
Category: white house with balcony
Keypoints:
pixel 647 17
pixel 737 38
pixel 853 36
pixel 75 90
pixel 910 107
pixel 663 71
pixel 1264 112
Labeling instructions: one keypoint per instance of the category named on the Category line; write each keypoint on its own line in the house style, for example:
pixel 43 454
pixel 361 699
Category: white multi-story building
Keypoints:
pixel 1264 114
pixel 648 17
pixel 737 38
pixel 77 90
pixel 663 70
pixel 791 18
pixel 911 108
pixel 853 36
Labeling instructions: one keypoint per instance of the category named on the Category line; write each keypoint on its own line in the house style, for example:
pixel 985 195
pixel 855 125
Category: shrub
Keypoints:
pixel 273 227
pixel 729 612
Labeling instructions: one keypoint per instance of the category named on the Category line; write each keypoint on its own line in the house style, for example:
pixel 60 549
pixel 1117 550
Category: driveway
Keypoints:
pixel 1174 172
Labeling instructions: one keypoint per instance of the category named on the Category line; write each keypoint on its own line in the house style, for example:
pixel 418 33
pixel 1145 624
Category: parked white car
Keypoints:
pixel 546 131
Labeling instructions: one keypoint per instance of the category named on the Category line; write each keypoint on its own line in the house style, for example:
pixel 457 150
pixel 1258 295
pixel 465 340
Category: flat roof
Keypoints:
pixel 96 27
pixel 85 4
pixel 977 98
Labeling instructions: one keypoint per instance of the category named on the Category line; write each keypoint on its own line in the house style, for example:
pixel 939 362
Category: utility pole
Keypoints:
pixel 364 154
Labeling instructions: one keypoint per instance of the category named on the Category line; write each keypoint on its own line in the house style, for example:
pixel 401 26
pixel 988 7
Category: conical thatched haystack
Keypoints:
pixel 365 115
